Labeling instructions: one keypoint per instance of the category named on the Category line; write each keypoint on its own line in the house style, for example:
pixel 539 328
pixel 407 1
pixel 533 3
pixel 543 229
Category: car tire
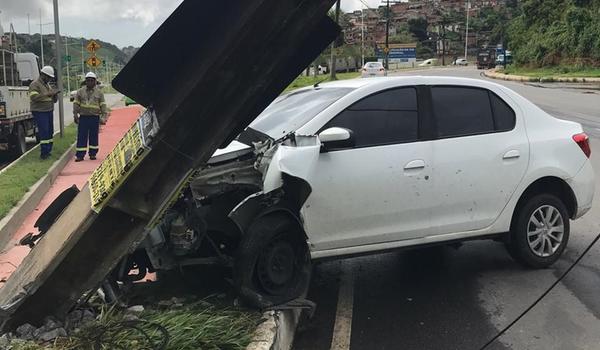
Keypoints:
pixel 272 264
pixel 19 142
pixel 540 232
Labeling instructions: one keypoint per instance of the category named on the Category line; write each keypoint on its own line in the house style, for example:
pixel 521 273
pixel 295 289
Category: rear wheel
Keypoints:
pixel 541 231
pixel 272 265
pixel 19 144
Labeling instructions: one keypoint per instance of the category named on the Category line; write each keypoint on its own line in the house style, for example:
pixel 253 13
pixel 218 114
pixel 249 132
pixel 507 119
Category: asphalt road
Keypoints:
pixel 446 298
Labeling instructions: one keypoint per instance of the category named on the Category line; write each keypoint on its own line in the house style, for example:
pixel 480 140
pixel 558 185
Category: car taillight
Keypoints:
pixel 364 69
pixel 583 141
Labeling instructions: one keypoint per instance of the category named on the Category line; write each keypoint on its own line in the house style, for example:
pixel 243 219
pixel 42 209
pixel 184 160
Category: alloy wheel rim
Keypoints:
pixel 545 231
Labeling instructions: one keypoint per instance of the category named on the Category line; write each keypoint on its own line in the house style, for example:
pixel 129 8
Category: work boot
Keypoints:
pixel 92 157
pixel 78 159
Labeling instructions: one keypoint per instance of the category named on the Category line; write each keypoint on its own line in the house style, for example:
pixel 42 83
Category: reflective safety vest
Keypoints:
pixel 38 100
pixel 89 102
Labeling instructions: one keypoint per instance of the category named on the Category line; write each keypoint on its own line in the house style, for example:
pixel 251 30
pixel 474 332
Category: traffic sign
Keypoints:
pixel 94 61
pixel 67 58
pixel 93 46
pixel 386 49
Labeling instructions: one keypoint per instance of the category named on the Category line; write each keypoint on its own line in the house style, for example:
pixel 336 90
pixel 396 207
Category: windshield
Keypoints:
pixel 289 112
pixel 374 65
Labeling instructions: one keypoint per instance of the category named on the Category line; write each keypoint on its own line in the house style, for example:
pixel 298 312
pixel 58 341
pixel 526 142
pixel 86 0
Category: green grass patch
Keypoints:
pixel 197 326
pixel 558 71
pixel 303 80
pixel 18 179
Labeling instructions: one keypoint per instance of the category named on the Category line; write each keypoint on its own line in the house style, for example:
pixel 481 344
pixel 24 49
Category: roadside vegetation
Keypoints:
pixel 557 71
pixel 18 179
pixel 200 325
pixel 562 34
pixel 303 80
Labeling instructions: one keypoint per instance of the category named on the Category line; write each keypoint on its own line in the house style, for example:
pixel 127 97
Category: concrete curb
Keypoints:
pixel 276 332
pixel 508 77
pixel 13 220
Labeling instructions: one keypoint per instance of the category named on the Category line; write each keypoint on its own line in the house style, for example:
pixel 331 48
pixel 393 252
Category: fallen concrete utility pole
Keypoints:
pixel 222 63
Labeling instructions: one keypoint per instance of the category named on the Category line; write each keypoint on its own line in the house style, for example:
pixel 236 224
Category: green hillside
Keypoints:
pixel 114 57
pixel 556 33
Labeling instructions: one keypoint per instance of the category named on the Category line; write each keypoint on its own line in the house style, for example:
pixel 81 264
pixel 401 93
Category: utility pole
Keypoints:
pixel 41 39
pixel 61 110
pixel 362 35
pixel 467 31
pixel 387 37
pixel 443 44
pixel 82 59
pixel 67 59
pixel 28 25
pixel 333 46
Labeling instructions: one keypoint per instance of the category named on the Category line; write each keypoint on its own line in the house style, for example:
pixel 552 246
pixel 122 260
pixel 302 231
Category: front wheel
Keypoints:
pixel 541 231
pixel 272 265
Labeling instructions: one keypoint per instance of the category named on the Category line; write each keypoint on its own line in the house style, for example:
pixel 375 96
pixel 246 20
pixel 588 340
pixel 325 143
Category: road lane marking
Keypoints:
pixel 342 328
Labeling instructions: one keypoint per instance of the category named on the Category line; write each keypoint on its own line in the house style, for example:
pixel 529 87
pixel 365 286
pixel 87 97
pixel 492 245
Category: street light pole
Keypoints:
pixel 362 36
pixel 467 31
pixel 333 45
pixel 82 60
pixel 41 40
pixel 61 110
pixel 67 59
pixel 387 37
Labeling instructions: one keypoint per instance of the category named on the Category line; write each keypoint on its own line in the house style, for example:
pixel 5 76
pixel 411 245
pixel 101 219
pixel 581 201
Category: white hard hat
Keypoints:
pixel 91 75
pixel 49 71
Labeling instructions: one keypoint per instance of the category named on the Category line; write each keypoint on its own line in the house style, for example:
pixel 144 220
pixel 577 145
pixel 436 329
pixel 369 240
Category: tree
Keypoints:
pixel 418 27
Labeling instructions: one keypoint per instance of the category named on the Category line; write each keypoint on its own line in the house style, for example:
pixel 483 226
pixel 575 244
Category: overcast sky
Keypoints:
pixel 121 22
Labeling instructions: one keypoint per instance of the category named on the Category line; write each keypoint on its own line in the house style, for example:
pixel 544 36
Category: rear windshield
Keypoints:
pixel 289 112
pixel 374 65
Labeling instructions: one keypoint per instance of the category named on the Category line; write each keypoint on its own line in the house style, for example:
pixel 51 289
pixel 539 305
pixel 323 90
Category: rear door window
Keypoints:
pixel 464 111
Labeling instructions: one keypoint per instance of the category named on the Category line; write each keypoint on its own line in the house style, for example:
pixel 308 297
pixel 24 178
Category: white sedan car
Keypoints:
pixel 428 63
pixel 373 69
pixel 460 62
pixel 366 165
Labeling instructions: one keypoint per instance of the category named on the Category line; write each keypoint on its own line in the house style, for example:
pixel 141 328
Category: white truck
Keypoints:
pixel 17 71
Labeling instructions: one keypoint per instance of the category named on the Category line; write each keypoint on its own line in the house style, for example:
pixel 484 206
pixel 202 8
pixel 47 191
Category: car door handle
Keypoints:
pixel 513 154
pixel 415 165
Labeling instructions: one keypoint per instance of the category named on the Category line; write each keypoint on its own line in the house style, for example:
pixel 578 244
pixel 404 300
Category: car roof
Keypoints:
pixel 359 83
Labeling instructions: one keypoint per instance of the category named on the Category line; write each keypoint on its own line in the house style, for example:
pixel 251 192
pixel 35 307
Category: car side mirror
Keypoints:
pixel 336 137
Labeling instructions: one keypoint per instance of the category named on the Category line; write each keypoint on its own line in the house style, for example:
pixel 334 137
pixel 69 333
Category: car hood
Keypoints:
pixel 234 150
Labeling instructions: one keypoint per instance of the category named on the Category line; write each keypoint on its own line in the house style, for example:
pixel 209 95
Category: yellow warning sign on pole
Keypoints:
pixel 93 46
pixel 124 158
pixel 94 61
pixel 117 166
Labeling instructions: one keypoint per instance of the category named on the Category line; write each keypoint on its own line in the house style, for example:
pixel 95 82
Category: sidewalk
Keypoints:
pixel 73 174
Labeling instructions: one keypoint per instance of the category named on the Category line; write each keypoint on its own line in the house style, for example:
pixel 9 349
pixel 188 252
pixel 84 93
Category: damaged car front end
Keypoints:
pixel 242 210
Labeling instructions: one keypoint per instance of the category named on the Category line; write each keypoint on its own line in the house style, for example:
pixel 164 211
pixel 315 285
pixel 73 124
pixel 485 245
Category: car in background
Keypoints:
pixel 500 59
pixel 429 62
pixel 460 62
pixel 373 69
